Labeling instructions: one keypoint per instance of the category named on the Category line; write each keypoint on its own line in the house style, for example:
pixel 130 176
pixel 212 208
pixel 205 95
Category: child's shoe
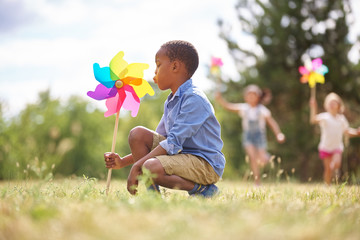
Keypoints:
pixel 154 187
pixel 206 191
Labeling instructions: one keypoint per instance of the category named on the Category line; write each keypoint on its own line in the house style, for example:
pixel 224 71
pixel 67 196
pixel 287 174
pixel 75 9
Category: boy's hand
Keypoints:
pixel 112 160
pixel 133 181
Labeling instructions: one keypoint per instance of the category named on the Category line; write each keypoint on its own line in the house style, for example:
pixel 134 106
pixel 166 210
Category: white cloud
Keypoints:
pixel 65 38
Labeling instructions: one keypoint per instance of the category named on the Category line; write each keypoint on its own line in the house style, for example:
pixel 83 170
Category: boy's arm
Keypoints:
pixel 313 110
pixel 114 161
pixel 280 137
pixel 136 170
pixel 194 112
pixel 233 107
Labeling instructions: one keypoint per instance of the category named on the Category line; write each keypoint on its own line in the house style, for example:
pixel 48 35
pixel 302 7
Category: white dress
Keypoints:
pixel 332 131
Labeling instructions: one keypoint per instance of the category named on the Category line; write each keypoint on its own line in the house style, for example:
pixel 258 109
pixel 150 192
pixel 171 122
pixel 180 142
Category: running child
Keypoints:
pixel 254 116
pixel 333 127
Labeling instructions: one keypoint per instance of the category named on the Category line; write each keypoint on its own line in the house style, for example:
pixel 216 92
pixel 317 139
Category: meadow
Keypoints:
pixel 78 208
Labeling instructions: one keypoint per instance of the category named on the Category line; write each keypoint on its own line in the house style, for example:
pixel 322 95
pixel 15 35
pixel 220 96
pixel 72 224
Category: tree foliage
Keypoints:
pixel 63 139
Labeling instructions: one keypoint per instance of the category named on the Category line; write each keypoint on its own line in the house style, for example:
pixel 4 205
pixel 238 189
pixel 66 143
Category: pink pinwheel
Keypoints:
pixel 313 72
pixel 216 63
pixel 121 84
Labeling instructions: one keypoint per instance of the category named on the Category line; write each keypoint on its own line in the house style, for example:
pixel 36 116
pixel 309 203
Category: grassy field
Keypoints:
pixel 80 209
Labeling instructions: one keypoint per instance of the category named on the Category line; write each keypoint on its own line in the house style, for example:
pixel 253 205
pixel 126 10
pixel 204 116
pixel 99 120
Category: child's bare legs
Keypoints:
pixel 251 152
pixel 165 180
pixel 335 164
pixel 141 141
pixel 336 161
pixel 331 165
pixel 263 157
pixel 327 170
pixel 258 157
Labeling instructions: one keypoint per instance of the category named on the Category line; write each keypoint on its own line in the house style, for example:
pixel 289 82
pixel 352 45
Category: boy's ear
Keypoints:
pixel 176 66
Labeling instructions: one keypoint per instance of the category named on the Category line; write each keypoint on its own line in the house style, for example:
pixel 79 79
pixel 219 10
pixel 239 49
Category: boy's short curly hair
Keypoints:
pixel 184 52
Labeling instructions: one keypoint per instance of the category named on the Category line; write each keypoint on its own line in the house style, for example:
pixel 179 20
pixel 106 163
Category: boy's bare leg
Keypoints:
pixel 140 142
pixel 168 181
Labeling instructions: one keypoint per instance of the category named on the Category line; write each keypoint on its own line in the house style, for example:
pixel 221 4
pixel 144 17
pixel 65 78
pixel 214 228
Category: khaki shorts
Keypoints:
pixel 187 166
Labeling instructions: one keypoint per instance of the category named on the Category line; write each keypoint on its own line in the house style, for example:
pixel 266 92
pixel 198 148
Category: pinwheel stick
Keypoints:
pixel 218 82
pixel 313 92
pixel 112 150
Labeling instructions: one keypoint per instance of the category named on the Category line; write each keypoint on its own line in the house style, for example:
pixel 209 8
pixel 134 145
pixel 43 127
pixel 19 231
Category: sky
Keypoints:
pixel 52 44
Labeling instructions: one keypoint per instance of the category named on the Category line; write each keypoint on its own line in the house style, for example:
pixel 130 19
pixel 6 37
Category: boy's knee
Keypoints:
pixel 139 134
pixel 135 133
pixel 154 166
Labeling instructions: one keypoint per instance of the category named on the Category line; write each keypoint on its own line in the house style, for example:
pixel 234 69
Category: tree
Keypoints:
pixel 285 33
pixel 53 138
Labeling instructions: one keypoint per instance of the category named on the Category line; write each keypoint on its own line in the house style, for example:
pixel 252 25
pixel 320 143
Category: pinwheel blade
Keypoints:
pixel 131 102
pixel 132 80
pixel 216 62
pixel 316 63
pixel 103 75
pixel 303 70
pixel 322 70
pixel 215 70
pixel 101 92
pixel 130 89
pixel 143 89
pixel 304 78
pixel 308 65
pixel 118 66
pixel 114 104
pixel 136 70
pixel 315 78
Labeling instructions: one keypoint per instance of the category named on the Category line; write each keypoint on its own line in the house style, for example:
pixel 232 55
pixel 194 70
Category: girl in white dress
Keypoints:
pixel 333 126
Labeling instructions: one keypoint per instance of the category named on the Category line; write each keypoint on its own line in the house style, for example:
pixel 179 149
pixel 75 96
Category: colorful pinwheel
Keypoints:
pixel 313 72
pixel 121 84
pixel 216 63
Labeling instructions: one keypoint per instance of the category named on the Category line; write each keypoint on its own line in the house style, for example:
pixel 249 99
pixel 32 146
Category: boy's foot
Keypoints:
pixel 206 191
pixel 154 187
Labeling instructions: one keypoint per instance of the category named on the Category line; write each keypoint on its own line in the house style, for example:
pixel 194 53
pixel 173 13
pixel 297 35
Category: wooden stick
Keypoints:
pixel 313 92
pixel 112 150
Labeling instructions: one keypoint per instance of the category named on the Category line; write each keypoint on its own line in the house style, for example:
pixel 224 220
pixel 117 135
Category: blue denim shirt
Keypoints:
pixel 190 126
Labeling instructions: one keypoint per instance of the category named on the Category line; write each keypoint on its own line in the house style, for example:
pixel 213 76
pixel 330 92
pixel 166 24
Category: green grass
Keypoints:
pixel 80 209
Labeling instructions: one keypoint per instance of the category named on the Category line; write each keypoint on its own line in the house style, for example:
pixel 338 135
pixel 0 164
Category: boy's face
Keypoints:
pixel 163 70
